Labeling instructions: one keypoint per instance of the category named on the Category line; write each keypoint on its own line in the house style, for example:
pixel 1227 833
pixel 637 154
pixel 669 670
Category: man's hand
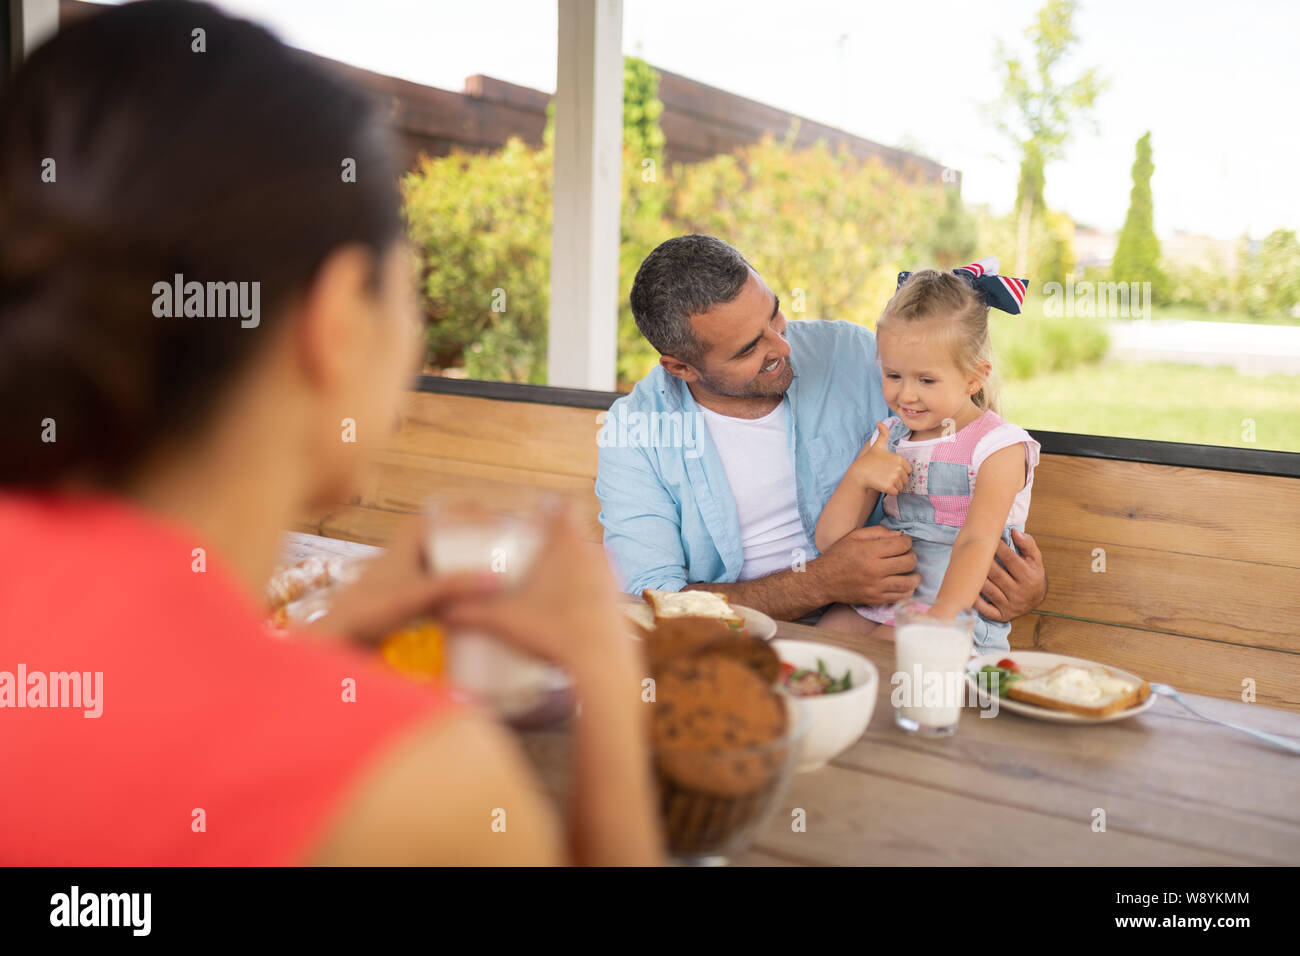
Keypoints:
pixel 1015 586
pixel 879 469
pixel 871 565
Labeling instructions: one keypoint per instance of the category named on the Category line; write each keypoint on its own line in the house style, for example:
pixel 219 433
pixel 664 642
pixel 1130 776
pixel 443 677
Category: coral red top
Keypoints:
pixel 215 743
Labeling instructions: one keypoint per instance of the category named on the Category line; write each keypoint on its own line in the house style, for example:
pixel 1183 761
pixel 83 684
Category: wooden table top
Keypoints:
pixel 1012 790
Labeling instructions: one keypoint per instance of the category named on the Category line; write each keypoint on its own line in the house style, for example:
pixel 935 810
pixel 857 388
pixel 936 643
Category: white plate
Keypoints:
pixel 756 622
pixel 1045 661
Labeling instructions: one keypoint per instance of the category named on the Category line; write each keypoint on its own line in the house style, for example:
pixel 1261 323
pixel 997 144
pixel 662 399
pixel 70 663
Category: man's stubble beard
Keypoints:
pixel 753 388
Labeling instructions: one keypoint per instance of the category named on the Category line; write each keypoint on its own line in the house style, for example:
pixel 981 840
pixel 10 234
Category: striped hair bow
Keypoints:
pixel 1000 292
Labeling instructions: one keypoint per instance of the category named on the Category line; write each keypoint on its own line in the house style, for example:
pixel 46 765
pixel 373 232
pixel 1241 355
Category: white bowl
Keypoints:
pixel 836 721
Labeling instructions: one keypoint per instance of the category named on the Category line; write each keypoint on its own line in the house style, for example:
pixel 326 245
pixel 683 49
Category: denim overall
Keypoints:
pixel 932 508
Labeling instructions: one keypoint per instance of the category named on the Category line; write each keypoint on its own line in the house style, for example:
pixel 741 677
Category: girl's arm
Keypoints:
pixel 1000 479
pixel 875 470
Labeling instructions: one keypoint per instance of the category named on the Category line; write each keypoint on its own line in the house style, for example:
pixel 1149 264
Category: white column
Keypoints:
pixel 39 21
pixel 583 338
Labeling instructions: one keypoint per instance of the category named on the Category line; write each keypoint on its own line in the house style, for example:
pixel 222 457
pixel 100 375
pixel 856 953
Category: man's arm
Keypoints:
pixel 785 595
pixel 643 535
pixel 872 565
pixel 1017 583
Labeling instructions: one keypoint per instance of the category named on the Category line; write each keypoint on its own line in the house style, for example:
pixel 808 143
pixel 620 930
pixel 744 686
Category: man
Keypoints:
pixel 713 471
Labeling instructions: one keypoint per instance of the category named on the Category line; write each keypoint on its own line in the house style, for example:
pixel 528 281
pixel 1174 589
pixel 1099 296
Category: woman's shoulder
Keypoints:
pixel 199 713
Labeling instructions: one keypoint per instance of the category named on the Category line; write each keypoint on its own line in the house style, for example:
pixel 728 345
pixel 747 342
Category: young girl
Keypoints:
pixel 956 477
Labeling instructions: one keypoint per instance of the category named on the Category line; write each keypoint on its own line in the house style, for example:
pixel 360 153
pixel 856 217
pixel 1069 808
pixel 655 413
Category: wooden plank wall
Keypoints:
pixel 1201 580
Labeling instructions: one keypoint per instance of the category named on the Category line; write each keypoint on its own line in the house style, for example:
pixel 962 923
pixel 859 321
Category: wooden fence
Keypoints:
pixel 698 121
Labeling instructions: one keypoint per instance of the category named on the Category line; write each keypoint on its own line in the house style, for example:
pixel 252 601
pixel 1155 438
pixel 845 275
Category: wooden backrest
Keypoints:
pixel 1184 575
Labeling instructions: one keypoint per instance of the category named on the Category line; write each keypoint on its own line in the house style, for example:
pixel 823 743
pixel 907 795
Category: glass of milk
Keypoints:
pixel 930 676
pixel 516 685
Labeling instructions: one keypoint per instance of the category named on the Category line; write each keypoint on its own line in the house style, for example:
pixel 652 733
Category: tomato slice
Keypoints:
pixel 1009 664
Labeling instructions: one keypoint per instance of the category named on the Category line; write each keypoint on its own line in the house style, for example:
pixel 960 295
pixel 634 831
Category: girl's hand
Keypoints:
pixel 879 469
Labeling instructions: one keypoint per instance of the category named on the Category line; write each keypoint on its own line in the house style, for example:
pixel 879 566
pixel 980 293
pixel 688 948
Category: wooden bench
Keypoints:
pixel 1201 580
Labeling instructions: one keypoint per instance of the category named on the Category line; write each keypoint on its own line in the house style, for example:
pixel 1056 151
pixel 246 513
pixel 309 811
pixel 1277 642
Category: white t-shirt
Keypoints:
pixel 760 471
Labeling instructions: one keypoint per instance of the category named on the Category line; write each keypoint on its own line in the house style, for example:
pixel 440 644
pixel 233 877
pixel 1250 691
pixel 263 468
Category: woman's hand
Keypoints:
pixel 879 469
pixel 396 587
pixel 565 609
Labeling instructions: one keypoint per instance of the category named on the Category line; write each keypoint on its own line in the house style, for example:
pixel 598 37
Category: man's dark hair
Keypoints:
pixel 684 277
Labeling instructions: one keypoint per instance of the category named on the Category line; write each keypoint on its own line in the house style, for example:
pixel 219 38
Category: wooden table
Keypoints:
pixel 1011 790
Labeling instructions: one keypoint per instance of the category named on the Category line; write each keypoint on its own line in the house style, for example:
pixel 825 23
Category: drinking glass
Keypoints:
pixel 523 689
pixel 931 654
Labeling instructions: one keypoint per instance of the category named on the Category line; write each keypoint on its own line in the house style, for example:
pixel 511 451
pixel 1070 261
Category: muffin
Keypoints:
pixel 683 637
pixel 720 740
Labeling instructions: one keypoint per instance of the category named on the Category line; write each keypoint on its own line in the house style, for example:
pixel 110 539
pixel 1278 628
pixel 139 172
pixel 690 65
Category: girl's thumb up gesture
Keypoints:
pixel 878 468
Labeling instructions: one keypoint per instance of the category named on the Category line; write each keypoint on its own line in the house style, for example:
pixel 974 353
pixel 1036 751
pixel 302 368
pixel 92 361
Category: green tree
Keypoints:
pixel 1050 257
pixel 827 231
pixel 642 109
pixel 954 233
pixel 1039 110
pixel 482 224
pixel 1268 283
pixel 1137 254
pixel 646 191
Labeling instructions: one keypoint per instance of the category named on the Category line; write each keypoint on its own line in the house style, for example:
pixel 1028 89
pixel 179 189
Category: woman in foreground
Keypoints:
pixel 152 452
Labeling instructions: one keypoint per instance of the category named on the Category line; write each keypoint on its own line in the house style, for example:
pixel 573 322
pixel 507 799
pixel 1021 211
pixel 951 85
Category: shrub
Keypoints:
pixel 1051 245
pixel 1265 284
pixel 1032 343
pixel 482 226
pixel 828 232
pixel 1269 280
pixel 1212 289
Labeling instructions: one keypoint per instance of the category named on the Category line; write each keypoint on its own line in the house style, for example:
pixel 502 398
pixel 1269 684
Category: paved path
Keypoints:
pixel 1248 348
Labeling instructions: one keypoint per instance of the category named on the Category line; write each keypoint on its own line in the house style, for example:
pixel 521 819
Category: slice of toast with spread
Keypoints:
pixel 1086 691
pixel 672 604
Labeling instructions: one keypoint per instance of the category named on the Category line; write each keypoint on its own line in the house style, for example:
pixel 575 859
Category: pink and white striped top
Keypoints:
pixel 945 469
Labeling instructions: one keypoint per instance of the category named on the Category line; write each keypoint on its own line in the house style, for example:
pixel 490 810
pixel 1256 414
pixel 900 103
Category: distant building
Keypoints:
pixel 1093 247
pixel 1199 250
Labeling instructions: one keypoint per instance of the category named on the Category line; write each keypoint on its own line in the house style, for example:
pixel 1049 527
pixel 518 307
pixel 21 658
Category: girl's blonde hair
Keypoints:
pixel 931 294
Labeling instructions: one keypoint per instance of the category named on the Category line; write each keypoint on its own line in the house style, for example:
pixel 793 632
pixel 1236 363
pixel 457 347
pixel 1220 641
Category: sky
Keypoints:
pixel 1215 85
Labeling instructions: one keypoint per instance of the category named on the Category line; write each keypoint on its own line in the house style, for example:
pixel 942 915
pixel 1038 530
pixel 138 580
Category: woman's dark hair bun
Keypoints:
pixel 127 157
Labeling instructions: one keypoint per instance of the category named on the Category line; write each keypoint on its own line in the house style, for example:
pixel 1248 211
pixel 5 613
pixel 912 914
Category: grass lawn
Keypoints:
pixel 1164 401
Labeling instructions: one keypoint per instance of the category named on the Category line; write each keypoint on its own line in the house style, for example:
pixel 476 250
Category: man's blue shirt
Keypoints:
pixel 669 516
